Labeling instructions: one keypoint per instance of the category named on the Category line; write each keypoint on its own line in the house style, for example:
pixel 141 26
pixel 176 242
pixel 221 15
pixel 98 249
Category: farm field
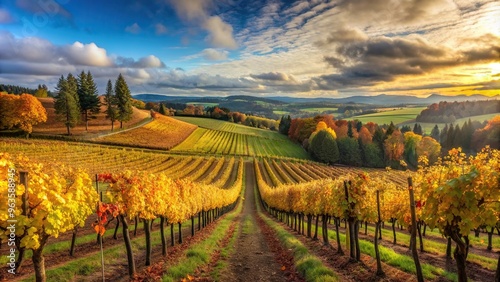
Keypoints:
pixel 162 133
pixel 223 172
pixel 219 137
pixel 396 116
pixel 221 125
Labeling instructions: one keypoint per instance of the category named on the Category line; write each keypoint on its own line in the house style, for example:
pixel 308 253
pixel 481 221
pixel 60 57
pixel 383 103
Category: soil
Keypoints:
pixel 256 256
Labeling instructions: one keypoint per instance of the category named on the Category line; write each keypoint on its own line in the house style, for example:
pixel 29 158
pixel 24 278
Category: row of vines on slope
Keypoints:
pixel 60 198
pixel 457 195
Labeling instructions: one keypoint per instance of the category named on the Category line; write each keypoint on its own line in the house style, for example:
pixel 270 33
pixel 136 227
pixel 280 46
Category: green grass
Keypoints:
pixel 199 254
pixel 223 138
pixel 427 127
pixel 90 264
pixel 396 116
pixel 436 247
pixel 281 112
pixel 225 254
pixel 221 125
pixel 310 266
pixel 248 226
pixel 319 110
pixel 392 258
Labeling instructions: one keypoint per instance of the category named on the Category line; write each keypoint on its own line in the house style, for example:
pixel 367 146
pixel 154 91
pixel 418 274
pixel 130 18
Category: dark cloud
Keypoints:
pixel 273 76
pixel 144 62
pixel 381 59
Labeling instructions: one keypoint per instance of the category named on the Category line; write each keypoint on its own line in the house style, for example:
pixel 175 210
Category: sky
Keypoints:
pixel 309 48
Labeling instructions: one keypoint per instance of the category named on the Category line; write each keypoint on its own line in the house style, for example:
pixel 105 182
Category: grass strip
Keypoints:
pixel 392 258
pixel 92 263
pixel 436 248
pixel 199 254
pixel 308 265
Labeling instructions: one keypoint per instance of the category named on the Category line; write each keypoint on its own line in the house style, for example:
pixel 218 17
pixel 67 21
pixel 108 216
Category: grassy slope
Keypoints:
pixel 221 137
pixel 100 124
pixel 396 116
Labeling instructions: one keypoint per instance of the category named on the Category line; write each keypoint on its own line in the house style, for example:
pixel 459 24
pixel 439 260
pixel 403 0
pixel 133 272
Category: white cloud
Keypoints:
pixel 220 33
pixel 214 54
pixel 86 55
pixel 134 28
pixel 160 29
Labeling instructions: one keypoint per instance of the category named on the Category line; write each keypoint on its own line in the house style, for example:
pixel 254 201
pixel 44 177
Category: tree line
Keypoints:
pixel 77 98
pixel 446 112
pixel 354 143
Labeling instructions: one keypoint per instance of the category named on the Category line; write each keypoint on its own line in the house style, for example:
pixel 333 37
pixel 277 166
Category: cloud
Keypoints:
pixel 86 55
pixel 160 29
pixel 273 76
pixel 214 54
pixel 220 33
pixel 5 17
pixel 145 62
pixel 134 28
pixel 382 59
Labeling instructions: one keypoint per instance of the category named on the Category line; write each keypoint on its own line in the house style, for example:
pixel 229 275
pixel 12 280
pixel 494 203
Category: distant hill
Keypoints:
pixel 382 99
pixel 387 100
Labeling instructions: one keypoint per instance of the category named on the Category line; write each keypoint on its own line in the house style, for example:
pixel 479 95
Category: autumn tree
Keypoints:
pixel 489 135
pixel 21 111
pixel 66 102
pixel 110 102
pixel 42 91
pixel 394 146
pixel 429 148
pixel 123 98
pixel 88 97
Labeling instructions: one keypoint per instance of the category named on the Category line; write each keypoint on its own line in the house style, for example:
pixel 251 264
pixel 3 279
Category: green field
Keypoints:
pixel 427 127
pixel 318 110
pixel 232 127
pixel 220 137
pixel 396 116
pixel 204 104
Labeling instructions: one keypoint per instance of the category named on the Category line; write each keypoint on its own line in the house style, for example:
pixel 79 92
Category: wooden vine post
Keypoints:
pixel 380 272
pixel 99 237
pixel 413 238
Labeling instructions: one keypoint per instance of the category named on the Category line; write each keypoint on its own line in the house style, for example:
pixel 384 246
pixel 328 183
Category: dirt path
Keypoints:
pixel 252 259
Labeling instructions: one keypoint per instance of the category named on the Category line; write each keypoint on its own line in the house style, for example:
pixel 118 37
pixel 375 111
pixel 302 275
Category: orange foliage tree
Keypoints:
pixel 21 111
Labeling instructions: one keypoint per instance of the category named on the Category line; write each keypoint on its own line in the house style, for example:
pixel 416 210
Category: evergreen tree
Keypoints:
pixel 162 109
pixel 405 129
pixel 467 131
pixel 443 137
pixel 123 98
pixel 379 138
pixel 349 129
pixel 435 133
pixel 389 130
pixel 65 103
pixel 349 151
pixel 110 102
pixel 324 147
pixel 373 155
pixel 457 137
pixel 284 126
pixel 88 97
pixel 450 137
pixel 417 129
pixel 359 124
